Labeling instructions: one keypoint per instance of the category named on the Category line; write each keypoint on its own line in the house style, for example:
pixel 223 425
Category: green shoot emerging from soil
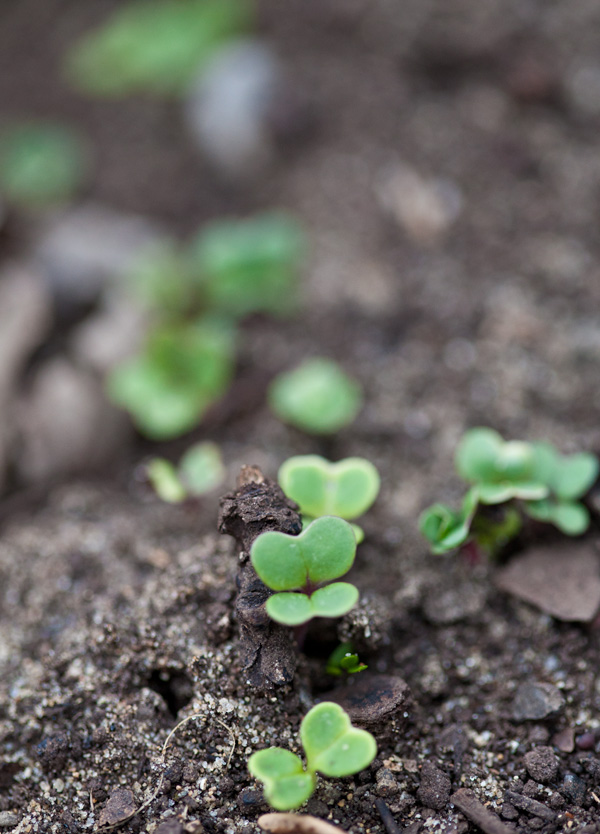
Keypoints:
pixel 346 489
pixel 200 470
pixel 153 47
pixel 193 298
pixel 546 485
pixel 332 746
pixel 343 661
pixel 298 568
pixel 317 397
pixel 41 164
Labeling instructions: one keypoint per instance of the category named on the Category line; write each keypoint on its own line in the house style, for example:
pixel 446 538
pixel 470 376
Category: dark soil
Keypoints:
pixel 117 612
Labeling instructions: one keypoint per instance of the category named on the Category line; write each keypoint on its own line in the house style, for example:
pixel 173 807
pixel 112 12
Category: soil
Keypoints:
pixel 118 612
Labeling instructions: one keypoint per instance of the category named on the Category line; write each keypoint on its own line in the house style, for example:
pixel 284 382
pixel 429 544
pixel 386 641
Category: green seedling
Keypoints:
pixel 200 470
pixel 249 266
pixel 446 529
pixel 346 489
pixel 332 746
pixel 317 397
pixel 344 661
pixel 546 485
pixel 183 371
pixel 156 46
pixel 41 164
pixel 298 568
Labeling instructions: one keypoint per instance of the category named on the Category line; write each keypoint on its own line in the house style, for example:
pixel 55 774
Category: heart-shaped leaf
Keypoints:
pixel 287 785
pixel 322 552
pixel 345 489
pixel 476 454
pixel 333 746
pixel 293 609
pixel 570 517
pixel 505 490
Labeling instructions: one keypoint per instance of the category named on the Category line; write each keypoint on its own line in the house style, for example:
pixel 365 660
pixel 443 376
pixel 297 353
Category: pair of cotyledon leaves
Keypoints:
pixel 325 550
pixel 333 747
pixel 345 489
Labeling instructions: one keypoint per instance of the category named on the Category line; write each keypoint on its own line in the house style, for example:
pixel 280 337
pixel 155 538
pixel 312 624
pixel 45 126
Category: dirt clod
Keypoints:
pixel 121 805
pixel 541 764
pixel 435 787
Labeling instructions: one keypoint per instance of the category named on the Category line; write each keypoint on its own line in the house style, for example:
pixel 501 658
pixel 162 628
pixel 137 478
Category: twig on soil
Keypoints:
pixel 163 752
pixel 466 801
pixel 389 823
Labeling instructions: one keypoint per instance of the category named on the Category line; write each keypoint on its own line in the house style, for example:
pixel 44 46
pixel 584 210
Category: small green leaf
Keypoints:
pixel 570 517
pixel 346 489
pixel 289 608
pixel 287 785
pixel 40 163
pixel 445 529
pixel 249 266
pixel 332 745
pixel 499 492
pixel 334 600
pixel 154 47
pixel 477 453
pixel 201 468
pixel 317 397
pixel 322 552
pixel 574 475
pixel 163 477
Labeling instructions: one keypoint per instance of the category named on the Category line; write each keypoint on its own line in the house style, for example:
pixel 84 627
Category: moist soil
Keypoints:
pixel 118 612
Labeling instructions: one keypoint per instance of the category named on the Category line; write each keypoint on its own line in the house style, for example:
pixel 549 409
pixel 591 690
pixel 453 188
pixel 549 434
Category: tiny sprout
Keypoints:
pixel 346 489
pixel 317 397
pixel 41 164
pixel 299 566
pixel 155 47
pixel 344 660
pixel 249 266
pixel 183 370
pixel 546 484
pixel 332 746
pixel 200 470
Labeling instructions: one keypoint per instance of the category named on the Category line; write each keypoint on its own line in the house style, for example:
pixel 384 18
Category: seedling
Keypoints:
pixel 346 489
pixel 171 384
pixel 298 568
pixel 41 164
pixel 332 746
pixel 249 266
pixel 344 661
pixel 200 470
pixel 317 397
pixel 155 46
pixel 546 484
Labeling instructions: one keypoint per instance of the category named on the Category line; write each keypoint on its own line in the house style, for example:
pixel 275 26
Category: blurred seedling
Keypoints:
pixel 546 485
pixel 317 397
pixel 301 569
pixel 346 489
pixel 343 661
pixel 41 164
pixel 156 46
pixel 333 747
pixel 199 471
pixel 182 371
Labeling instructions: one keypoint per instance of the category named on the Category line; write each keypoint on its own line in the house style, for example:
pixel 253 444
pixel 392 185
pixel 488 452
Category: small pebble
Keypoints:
pixel 534 701
pixel 387 785
pixel 8 820
pixel 120 806
pixel 586 741
pixel 564 740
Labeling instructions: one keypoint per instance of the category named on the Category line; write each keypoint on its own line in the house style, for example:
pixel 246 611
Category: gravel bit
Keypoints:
pixel 534 701
pixel 296 824
pixel 574 788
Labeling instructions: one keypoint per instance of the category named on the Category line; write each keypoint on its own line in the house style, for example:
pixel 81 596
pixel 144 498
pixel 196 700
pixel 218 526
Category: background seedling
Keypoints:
pixel 249 266
pixel 332 746
pixel 317 397
pixel 41 164
pixel 344 661
pixel 546 484
pixel 181 373
pixel 299 566
pixel 200 470
pixel 154 47
pixel 346 489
